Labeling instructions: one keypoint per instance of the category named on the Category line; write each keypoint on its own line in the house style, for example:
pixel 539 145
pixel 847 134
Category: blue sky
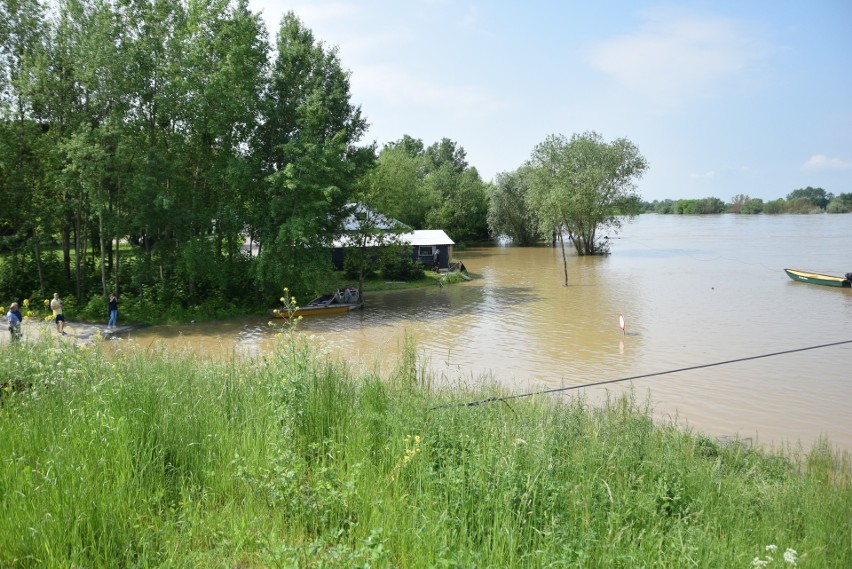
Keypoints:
pixel 722 98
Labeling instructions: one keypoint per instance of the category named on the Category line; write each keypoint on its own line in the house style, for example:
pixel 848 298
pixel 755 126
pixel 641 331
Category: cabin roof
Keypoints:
pixel 413 238
pixel 427 237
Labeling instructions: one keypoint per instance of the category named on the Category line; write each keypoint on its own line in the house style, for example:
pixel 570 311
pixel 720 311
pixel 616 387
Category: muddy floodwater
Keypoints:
pixel 693 291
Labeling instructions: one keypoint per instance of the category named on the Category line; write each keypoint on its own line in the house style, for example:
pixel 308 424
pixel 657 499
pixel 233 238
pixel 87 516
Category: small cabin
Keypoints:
pixel 426 242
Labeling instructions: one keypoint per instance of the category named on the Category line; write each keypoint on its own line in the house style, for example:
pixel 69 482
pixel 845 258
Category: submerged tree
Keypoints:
pixel 583 186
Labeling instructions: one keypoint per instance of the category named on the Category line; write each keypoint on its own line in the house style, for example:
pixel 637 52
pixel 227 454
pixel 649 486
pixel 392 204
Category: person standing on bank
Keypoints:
pixel 113 310
pixel 15 319
pixel 436 260
pixel 58 317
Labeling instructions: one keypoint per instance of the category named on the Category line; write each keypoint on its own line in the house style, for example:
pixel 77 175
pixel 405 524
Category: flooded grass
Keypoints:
pixel 145 458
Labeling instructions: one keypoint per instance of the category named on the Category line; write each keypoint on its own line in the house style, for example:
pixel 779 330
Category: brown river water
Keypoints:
pixel 693 290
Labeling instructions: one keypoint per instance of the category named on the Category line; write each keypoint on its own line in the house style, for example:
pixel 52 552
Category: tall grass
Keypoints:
pixel 141 459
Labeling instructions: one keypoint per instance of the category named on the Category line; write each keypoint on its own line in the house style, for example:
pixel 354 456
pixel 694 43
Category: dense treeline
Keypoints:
pixel 803 200
pixel 144 145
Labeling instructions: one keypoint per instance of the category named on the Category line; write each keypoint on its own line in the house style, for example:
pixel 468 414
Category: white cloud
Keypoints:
pixel 820 162
pixel 673 58
pixel 706 175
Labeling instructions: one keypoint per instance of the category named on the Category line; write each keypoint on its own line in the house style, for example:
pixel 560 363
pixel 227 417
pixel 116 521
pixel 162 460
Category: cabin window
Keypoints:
pixel 426 251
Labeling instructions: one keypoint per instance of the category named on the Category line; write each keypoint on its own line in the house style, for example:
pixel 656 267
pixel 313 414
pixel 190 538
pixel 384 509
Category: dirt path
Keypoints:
pixel 80 332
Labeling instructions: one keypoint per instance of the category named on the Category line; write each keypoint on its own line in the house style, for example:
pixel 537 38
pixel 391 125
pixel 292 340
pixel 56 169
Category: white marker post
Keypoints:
pixel 621 323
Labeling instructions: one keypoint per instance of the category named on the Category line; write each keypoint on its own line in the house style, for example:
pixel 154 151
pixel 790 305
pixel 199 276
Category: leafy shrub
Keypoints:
pixel 752 206
pixel 402 268
pixel 352 264
pixel 775 206
pixel 836 206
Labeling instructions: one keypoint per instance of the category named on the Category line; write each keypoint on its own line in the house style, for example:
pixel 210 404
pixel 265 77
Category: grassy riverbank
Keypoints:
pixel 151 459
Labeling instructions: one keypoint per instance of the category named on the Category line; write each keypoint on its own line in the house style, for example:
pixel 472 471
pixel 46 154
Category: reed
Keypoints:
pixel 141 459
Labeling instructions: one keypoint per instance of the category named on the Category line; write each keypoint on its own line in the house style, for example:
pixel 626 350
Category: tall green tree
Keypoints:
pixel 462 209
pixel 310 159
pixel 461 196
pixel 23 186
pixel 223 81
pixel 446 153
pixel 509 212
pixel 584 186
pixel 397 183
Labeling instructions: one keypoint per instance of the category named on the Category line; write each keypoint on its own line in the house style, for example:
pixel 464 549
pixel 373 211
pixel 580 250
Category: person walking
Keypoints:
pixel 14 317
pixel 113 310
pixel 58 317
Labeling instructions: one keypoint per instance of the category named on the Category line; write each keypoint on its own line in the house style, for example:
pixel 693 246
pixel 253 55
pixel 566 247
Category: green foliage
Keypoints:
pixel 699 207
pixel 309 157
pixel 399 266
pixel 353 265
pixel 662 207
pixel 816 196
pixel 165 128
pixel 775 206
pixel 430 188
pixel 743 204
pixel 840 204
pixel 151 459
pixel 806 200
pixel 585 186
pixel 802 206
pixel 752 206
pixel 463 203
pixel 397 185
pixel 509 212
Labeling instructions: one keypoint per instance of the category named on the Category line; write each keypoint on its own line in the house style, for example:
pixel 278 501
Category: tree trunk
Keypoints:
pixel 78 252
pixel 66 249
pixel 103 251
pixel 564 258
pixel 37 259
pixel 117 264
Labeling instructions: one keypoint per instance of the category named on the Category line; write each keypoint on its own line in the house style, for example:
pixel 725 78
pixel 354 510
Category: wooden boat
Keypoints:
pixel 338 302
pixel 816 278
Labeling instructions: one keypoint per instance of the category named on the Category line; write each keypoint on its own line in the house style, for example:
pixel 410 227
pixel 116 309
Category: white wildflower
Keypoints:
pixel 791 556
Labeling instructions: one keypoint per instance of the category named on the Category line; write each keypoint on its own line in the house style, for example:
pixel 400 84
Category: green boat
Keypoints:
pixel 816 278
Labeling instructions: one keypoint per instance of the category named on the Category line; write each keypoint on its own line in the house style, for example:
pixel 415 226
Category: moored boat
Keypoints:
pixel 338 302
pixel 819 279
